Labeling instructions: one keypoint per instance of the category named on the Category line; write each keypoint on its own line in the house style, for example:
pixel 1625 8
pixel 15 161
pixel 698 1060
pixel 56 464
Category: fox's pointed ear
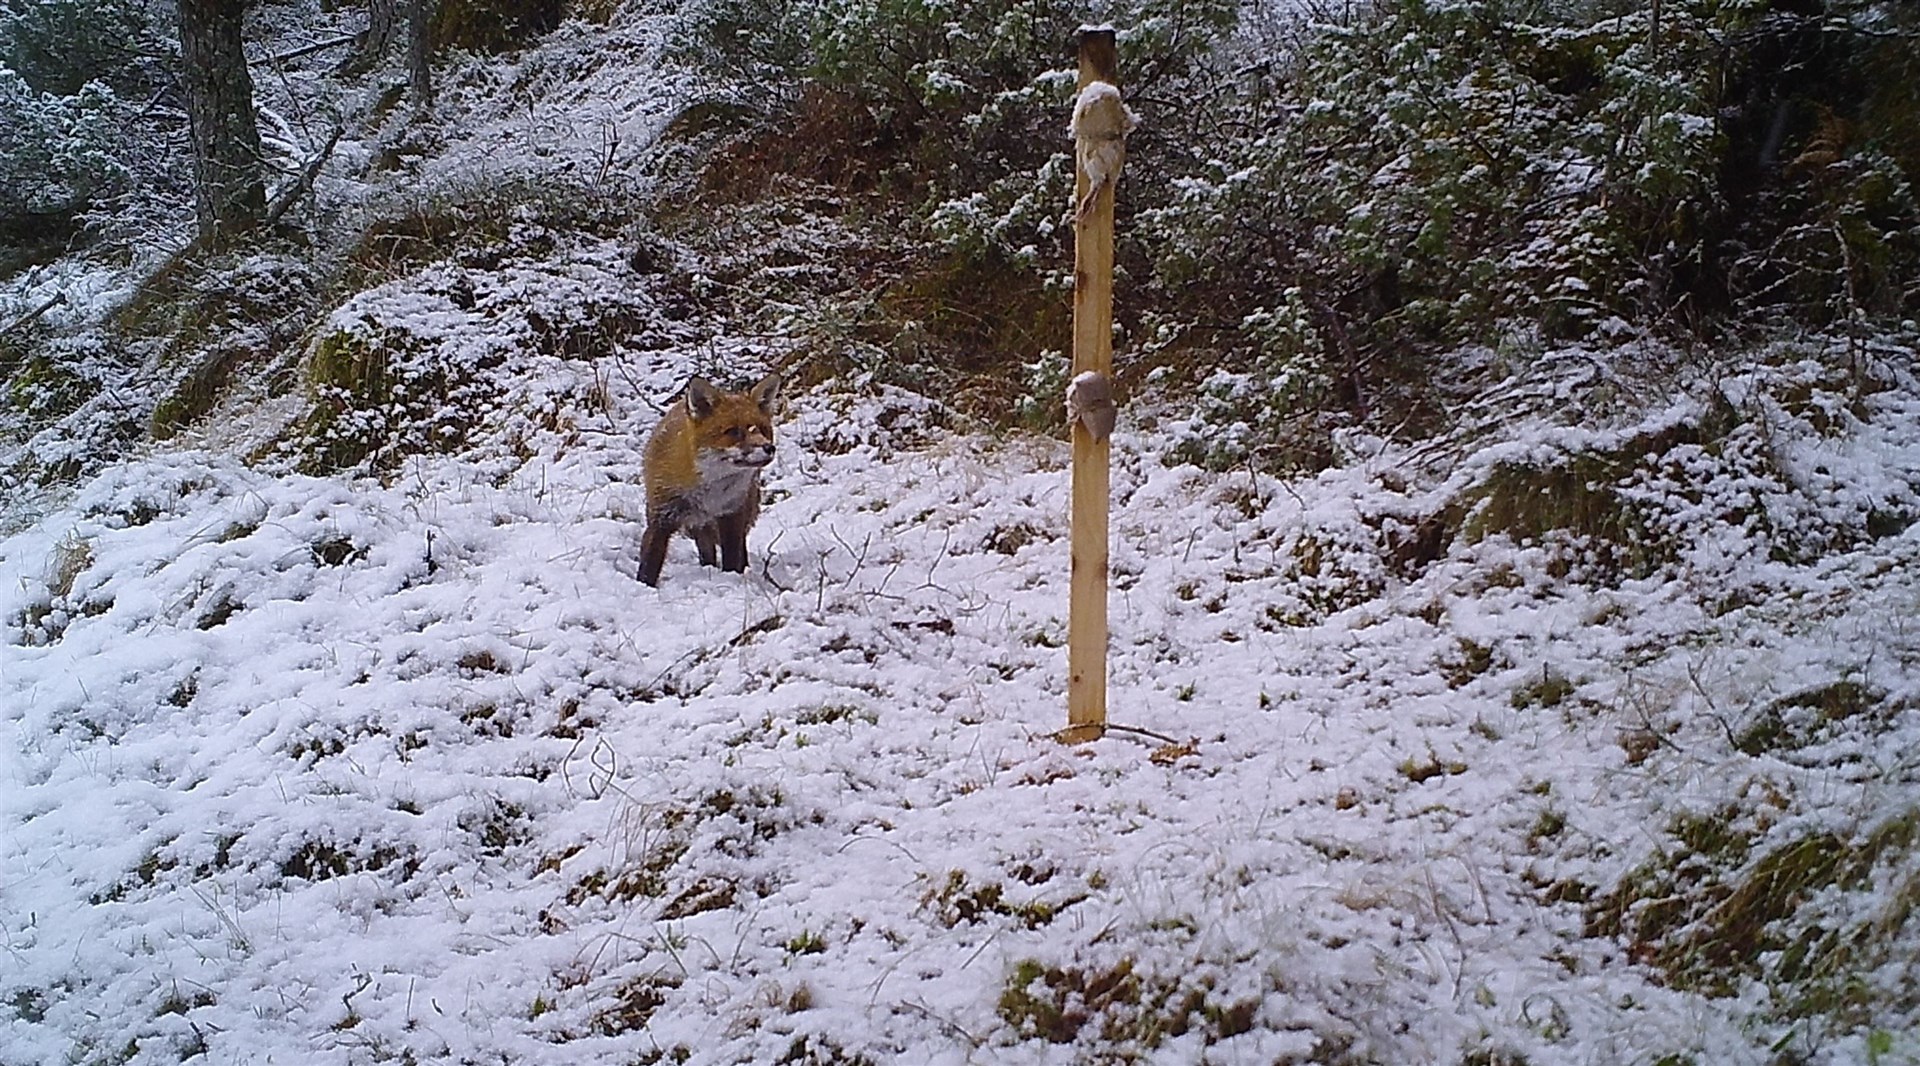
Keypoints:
pixel 701 396
pixel 767 393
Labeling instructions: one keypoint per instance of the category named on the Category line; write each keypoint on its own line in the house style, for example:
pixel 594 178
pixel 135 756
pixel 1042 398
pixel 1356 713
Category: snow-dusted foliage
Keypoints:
pixel 1432 174
pixel 964 94
pixel 54 151
pixel 83 144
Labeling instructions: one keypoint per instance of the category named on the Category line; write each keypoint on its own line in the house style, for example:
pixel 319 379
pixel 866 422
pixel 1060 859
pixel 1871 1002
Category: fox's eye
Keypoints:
pixel 734 432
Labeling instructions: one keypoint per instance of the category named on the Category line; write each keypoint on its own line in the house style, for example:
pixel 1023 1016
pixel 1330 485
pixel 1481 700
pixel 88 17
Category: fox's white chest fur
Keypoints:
pixel 724 487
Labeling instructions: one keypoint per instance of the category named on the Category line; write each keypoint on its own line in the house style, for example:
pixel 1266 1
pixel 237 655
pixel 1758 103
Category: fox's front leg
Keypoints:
pixel 733 541
pixel 708 542
pixel 653 548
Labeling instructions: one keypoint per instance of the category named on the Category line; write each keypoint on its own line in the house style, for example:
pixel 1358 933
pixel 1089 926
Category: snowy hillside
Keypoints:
pixel 1577 723
pixel 318 770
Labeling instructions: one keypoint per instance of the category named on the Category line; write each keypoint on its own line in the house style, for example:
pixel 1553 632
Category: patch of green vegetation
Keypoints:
pixel 381 395
pixel 1581 496
pixel 813 1049
pixel 960 901
pixel 1324 575
pixel 320 743
pixel 498 825
pixel 1125 1006
pixel 806 942
pixel 177 1002
pixel 1494 1057
pixel 1804 719
pixel 633 1004
pixel 703 895
pixel 1550 823
pixel 1419 770
pixel 761 813
pixel 1527 502
pixel 151 866
pixel 214 316
pixel 646 879
pixel 196 392
pixel 348 373
pixel 830 713
pixel 43 619
pixel 1722 907
pixel 45 389
pixel 323 860
pixel 1550 690
pixel 1470 660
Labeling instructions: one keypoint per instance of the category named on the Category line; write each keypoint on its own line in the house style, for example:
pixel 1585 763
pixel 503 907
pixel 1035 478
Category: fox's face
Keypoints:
pixel 733 429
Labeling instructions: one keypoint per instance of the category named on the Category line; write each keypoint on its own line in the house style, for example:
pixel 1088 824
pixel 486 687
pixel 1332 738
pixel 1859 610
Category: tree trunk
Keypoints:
pixel 230 193
pixel 373 44
pixel 420 55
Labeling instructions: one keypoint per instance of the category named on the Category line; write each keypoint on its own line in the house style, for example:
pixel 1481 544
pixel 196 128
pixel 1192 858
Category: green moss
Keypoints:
pixel 376 398
pixel 960 901
pixel 1806 718
pixel 1718 909
pixel 353 362
pixel 44 389
pixel 1128 1008
pixel 194 395
pixel 1580 495
pixel 1549 691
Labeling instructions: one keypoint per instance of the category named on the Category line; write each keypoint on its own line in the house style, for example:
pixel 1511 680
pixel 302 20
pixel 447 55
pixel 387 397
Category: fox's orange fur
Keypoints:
pixel 703 466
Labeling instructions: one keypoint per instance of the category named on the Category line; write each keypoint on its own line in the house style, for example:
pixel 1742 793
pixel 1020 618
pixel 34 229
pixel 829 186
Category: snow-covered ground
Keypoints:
pixel 325 770
pixel 317 770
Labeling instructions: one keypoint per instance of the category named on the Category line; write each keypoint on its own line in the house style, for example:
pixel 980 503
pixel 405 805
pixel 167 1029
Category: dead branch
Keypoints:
pixel 287 197
pixel 27 319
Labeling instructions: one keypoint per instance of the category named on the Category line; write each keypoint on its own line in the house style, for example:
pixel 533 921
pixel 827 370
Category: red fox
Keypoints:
pixel 703 473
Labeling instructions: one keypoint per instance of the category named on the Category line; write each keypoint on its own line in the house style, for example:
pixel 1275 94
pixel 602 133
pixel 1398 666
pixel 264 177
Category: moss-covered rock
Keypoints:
pixel 377 397
pixel 1728 903
pixel 44 388
pixel 1589 497
pixel 195 393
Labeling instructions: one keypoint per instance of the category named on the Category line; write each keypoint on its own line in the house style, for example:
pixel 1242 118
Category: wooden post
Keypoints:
pixel 1092 352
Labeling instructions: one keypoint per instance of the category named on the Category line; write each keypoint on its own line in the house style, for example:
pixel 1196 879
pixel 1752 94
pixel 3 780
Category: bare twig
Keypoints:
pixel 309 49
pixel 51 302
pixel 287 197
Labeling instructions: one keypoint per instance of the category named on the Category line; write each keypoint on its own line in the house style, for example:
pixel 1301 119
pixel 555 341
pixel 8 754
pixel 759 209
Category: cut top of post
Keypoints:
pixel 1099 55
